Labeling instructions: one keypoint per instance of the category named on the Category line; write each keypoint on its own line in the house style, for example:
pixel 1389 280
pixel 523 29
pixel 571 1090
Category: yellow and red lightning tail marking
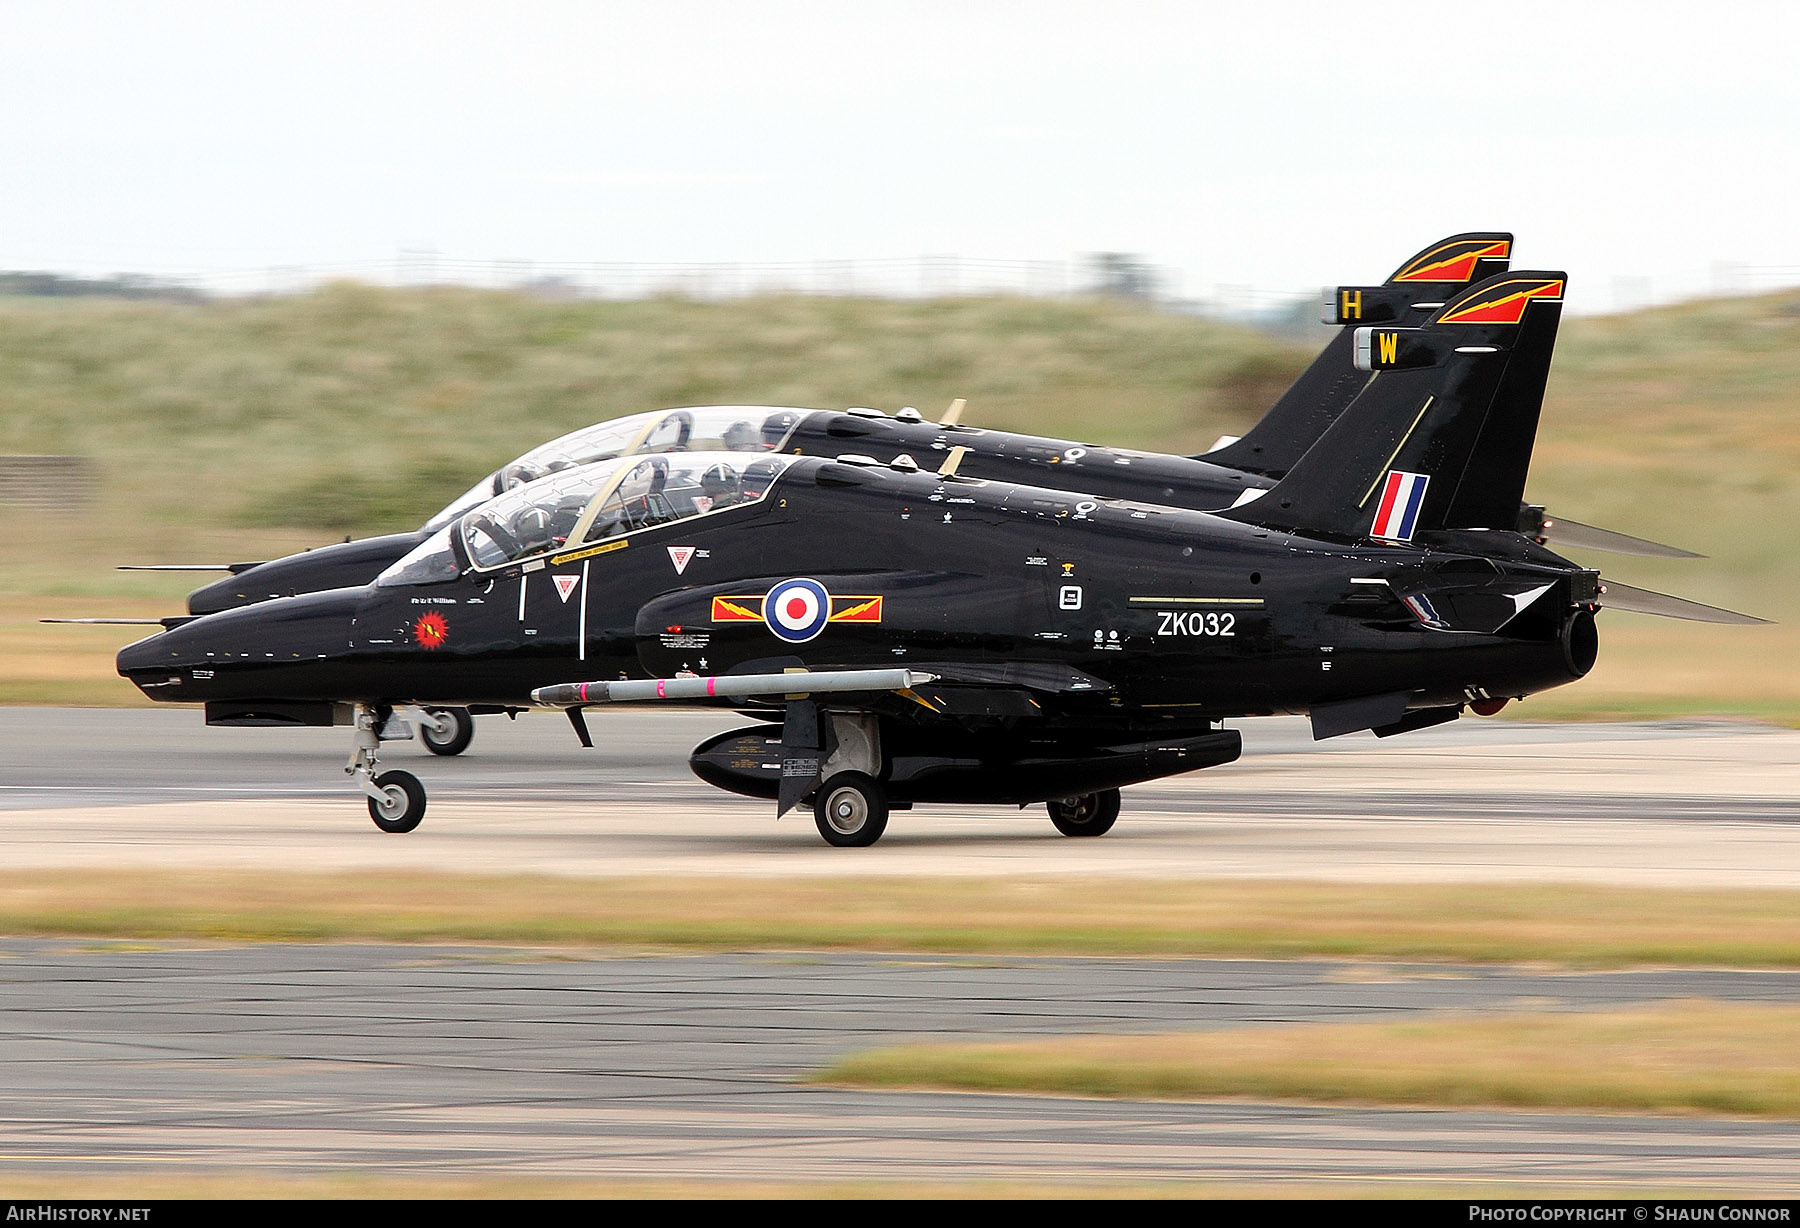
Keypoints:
pixel 1505 303
pixel 431 631
pixel 1453 262
pixel 856 610
pixel 737 609
pixel 748 609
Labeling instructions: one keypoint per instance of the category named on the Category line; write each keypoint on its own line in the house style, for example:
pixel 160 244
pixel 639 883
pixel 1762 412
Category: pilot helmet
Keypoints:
pixel 776 427
pixel 720 483
pixel 757 477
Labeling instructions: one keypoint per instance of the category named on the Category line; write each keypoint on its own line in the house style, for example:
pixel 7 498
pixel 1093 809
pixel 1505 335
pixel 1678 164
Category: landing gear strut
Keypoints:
pixel 396 799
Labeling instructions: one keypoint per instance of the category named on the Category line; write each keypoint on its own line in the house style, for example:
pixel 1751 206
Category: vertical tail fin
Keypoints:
pixel 1442 435
pixel 1312 403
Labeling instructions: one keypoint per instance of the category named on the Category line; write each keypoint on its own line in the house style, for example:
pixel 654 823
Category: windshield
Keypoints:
pixel 465 503
pixel 597 502
pixel 432 561
pixel 706 428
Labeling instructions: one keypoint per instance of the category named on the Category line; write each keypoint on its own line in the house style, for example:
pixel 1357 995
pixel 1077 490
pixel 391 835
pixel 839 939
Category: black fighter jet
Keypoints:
pixel 911 635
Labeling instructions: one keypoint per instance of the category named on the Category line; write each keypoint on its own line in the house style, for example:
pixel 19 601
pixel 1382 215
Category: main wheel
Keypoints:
pixel 1091 814
pixel 402 803
pixel 455 739
pixel 851 810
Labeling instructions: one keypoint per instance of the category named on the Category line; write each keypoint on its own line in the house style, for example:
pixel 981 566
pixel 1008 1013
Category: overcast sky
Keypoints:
pixel 1281 145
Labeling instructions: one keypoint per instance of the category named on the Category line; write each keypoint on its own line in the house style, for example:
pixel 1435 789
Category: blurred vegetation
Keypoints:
pixel 245 428
pixel 362 409
pixel 1556 924
pixel 1692 1056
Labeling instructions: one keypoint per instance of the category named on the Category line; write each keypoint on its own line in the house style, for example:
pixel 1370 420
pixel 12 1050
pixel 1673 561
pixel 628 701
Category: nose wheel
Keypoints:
pixel 396 799
pixel 401 804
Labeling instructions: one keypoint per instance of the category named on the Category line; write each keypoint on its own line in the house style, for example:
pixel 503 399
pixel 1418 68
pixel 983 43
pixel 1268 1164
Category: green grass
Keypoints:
pixel 1681 1057
pixel 1567 925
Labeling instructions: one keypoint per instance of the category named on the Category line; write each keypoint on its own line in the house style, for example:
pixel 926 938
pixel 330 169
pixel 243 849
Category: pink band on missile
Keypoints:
pixel 710 682
pixel 661 688
pixel 584 692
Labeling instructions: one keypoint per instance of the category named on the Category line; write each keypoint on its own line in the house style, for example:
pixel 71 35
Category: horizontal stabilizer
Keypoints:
pixel 1586 537
pixel 1614 596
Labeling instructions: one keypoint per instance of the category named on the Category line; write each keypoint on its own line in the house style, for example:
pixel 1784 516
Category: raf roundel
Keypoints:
pixel 797 610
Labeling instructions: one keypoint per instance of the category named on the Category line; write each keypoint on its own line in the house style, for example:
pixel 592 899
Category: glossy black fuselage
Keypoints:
pixel 1175 618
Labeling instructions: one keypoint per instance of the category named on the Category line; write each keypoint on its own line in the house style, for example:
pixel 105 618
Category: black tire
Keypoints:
pixel 1091 814
pixel 456 741
pixel 851 810
pixel 405 804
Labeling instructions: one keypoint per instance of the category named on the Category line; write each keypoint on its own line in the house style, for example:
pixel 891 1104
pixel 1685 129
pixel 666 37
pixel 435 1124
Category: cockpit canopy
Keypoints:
pixel 594 503
pixel 711 428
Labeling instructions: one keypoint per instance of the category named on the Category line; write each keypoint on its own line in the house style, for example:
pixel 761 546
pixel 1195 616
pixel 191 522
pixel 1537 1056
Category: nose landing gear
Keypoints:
pixel 396 799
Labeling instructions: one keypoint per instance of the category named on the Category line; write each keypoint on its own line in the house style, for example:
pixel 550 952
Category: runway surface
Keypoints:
pixel 411 1061
pixel 1699 805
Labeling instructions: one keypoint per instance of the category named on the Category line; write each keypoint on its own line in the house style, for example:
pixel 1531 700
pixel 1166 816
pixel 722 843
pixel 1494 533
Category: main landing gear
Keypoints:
pixel 445 731
pixel 1091 814
pixel 396 799
pixel 851 810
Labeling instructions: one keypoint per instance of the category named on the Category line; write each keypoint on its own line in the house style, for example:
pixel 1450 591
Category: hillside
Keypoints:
pixel 247 428
pixel 355 408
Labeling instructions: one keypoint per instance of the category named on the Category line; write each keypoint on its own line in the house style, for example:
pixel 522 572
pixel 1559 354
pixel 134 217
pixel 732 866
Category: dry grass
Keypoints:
pixel 1562 924
pixel 1679 1057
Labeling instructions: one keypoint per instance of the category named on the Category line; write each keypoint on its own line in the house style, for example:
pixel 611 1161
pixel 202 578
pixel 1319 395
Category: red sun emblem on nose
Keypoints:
pixel 431 631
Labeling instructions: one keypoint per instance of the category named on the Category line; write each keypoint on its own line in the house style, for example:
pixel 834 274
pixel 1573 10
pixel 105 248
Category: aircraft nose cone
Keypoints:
pixel 258 651
pixel 149 653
